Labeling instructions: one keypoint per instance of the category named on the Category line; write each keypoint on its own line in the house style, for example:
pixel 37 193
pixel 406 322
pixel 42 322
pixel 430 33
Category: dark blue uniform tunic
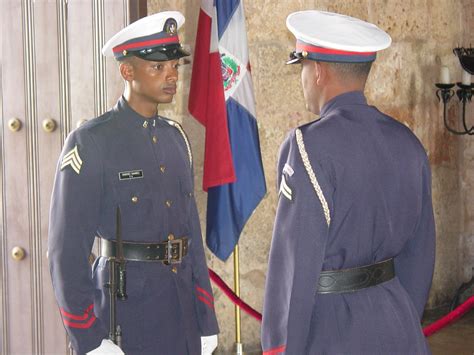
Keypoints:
pixel 168 307
pixel 375 177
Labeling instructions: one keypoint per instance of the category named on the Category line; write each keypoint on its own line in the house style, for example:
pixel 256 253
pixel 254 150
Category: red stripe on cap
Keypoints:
pixel 315 49
pixel 86 325
pixel 205 293
pixel 76 317
pixel 149 43
pixel 274 351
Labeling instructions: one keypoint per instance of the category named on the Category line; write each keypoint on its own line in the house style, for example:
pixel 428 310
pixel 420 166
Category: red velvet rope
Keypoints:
pixel 233 297
pixel 429 330
pixel 449 318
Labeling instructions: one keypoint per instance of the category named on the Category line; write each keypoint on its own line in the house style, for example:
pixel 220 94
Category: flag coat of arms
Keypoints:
pixel 221 98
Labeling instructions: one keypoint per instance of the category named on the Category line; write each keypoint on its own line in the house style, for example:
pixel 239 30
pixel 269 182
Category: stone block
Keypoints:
pixel 266 19
pixel 401 19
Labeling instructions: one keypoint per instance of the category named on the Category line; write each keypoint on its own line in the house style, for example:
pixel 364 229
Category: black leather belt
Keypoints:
pixel 350 280
pixel 170 252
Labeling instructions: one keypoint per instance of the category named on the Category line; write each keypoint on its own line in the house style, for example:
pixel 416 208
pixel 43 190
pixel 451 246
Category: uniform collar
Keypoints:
pixel 130 116
pixel 348 98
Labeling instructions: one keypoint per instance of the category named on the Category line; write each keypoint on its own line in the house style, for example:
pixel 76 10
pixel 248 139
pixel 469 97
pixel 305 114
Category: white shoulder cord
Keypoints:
pixel 312 176
pixel 180 129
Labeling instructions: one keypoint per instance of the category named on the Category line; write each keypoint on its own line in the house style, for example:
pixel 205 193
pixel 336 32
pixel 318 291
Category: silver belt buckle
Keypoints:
pixel 174 258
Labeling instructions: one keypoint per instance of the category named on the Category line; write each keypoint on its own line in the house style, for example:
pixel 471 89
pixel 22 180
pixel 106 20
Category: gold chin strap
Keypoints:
pixel 312 176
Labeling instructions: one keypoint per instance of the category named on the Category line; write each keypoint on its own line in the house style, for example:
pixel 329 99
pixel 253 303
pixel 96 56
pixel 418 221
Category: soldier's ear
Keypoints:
pixel 319 73
pixel 323 73
pixel 127 70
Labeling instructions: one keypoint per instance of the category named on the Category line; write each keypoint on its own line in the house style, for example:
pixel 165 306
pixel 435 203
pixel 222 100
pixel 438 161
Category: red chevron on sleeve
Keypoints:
pixel 83 321
pixel 275 351
pixel 205 297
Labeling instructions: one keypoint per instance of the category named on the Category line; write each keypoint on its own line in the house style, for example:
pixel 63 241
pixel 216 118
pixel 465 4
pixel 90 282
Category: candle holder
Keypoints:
pixel 464 92
pixel 444 93
pixel 466 58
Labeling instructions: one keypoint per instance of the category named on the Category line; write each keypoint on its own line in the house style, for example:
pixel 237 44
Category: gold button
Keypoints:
pixel 155 140
pixel 134 199
pixel 145 124
pixel 304 54
pixel 124 52
pixel 174 269
pixel 168 203
pixel 162 168
pixel 171 236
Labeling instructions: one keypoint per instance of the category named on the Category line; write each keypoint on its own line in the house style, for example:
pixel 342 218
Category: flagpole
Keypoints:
pixel 238 343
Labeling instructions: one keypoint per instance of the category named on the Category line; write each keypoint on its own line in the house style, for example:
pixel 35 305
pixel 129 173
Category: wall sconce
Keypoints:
pixel 465 88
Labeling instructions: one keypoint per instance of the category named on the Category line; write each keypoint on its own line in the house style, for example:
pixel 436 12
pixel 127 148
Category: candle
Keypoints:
pixel 444 77
pixel 466 78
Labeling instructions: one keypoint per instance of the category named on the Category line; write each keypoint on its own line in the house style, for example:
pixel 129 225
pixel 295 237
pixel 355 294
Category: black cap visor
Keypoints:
pixel 161 53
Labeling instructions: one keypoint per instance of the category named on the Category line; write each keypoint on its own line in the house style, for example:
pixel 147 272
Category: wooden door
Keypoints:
pixel 52 78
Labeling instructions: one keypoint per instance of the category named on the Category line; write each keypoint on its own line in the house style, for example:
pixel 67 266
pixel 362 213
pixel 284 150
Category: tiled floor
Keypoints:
pixel 456 339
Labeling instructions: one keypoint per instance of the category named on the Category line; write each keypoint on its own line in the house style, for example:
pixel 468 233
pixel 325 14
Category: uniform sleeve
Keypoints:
pixel 202 284
pixel 296 255
pixel 74 217
pixel 415 264
pixel 203 295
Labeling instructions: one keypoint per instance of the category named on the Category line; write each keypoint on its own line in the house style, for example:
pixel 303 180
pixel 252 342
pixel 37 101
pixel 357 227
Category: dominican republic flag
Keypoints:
pixel 221 98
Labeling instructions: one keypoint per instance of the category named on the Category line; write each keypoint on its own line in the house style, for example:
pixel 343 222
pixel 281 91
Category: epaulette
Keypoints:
pixel 183 134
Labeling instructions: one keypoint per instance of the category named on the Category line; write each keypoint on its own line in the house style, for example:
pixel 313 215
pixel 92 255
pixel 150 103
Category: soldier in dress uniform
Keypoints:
pixel 353 247
pixel 136 160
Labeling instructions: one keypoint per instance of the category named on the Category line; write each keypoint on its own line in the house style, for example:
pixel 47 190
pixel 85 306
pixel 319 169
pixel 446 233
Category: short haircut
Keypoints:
pixel 352 70
pixel 129 60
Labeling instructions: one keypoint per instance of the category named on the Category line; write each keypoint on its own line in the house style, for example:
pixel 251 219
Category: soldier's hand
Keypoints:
pixel 208 344
pixel 107 347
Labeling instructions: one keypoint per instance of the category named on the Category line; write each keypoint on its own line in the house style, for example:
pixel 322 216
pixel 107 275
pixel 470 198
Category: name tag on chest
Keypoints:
pixel 133 174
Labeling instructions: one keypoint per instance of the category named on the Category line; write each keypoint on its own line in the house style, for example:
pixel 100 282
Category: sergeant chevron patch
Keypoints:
pixel 73 159
pixel 285 189
pixel 288 169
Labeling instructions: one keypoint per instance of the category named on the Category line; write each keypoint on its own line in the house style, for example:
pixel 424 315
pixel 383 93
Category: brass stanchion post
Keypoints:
pixel 238 343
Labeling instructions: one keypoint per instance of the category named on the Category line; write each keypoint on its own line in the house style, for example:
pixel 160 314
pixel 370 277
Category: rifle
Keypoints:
pixel 116 289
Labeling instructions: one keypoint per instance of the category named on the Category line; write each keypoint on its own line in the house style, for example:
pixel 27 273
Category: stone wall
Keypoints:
pixel 466 241
pixel 424 32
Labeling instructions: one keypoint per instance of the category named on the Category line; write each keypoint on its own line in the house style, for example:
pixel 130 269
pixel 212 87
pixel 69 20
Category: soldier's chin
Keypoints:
pixel 166 99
